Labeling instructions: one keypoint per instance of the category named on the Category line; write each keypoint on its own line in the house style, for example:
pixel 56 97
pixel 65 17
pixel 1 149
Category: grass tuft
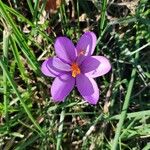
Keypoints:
pixel 29 119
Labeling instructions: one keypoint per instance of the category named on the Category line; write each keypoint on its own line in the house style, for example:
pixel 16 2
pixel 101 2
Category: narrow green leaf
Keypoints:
pixel 14 86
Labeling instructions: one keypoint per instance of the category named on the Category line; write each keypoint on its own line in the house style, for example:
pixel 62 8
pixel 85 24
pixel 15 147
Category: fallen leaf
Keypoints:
pixel 53 5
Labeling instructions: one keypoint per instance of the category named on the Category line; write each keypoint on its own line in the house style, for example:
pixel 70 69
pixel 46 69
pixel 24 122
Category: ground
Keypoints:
pixel 29 119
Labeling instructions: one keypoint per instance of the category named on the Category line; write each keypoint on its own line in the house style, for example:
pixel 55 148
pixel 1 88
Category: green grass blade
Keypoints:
pixel 18 15
pixel 20 40
pixel 125 107
pixel 14 86
pixel 103 15
pixel 35 10
pixel 28 142
pixel 30 6
pixel 43 5
pixel 18 60
pixel 140 114
pixel 78 23
pixel 139 49
pixel 6 36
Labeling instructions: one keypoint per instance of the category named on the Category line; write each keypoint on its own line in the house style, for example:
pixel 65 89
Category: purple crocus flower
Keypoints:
pixel 74 66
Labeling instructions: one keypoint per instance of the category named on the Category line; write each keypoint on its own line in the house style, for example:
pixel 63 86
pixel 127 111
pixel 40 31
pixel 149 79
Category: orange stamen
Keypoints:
pixel 82 52
pixel 75 69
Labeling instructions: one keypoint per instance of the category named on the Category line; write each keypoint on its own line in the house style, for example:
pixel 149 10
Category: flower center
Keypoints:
pixel 75 69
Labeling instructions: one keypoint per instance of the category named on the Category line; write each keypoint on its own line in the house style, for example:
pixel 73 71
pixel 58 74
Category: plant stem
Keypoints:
pixel 60 129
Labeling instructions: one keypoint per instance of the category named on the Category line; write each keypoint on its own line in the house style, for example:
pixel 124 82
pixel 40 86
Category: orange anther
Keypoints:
pixel 82 52
pixel 75 69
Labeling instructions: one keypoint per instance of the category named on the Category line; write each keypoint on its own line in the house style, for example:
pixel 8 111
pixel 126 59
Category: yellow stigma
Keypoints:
pixel 75 69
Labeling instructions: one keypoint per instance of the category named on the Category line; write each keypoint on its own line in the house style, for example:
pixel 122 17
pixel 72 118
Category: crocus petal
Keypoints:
pixel 49 70
pixel 103 67
pixel 60 65
pixel 61 87
pixel 86 44
pixel 89 64
pixel 87 88
pixel 65 49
